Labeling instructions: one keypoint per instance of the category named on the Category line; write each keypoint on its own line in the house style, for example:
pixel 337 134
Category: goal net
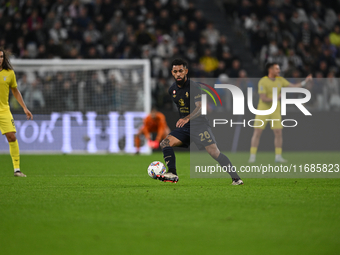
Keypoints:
pixel 81 105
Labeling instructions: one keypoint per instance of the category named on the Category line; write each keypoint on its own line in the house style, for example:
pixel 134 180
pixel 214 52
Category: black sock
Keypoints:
pixel 170 159
pixel 224 161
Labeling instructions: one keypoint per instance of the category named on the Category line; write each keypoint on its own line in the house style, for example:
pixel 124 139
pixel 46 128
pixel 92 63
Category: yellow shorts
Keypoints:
pixel 274 120
pixel 6 122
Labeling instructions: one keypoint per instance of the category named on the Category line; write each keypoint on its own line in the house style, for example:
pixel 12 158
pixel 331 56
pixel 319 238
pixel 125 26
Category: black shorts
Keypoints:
pixel 200 134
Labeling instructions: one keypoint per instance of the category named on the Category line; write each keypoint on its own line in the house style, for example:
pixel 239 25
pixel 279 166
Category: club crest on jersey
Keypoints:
pixel 181 102
pixel 187 94
pixel 174 92
pixel 5 77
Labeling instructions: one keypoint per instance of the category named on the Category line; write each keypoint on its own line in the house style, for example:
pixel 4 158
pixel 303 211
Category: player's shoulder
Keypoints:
pixel 172 88
pixel 264 80
pixel 173 85
pixel 7 71
pixel 283 81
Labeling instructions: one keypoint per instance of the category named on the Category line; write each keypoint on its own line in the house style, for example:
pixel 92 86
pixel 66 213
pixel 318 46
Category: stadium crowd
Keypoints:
pixel 107 29
pixel 303 37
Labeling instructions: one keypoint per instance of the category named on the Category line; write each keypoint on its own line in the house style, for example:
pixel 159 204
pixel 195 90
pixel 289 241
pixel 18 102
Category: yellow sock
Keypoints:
pixel 253 150
pixel 14 151
pixel 278 151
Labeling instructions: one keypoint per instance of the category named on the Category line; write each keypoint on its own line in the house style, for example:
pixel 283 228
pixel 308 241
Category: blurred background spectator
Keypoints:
pixel 301 35
pixel 304 33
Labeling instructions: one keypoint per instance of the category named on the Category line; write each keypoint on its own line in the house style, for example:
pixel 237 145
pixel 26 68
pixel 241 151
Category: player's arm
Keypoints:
pixel 262 90
pixel 161 128
pixel 195 113
pixel 18 97
pixel 264 98
pixel 145 128
pixel 301 84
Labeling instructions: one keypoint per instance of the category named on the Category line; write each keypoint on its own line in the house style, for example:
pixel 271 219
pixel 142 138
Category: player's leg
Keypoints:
pixel 278 145
pixel 168 152
pixel 204 138
pixel 260 125
pixel 7 128
pixel 254 144
pixel 138 138
pixel 276 126
pixel 224 161
pixel 169 158
pixel 15 153
pixel 137 143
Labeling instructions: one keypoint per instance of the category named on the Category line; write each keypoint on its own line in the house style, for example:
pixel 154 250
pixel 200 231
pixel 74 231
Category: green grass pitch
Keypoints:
pixel 107 204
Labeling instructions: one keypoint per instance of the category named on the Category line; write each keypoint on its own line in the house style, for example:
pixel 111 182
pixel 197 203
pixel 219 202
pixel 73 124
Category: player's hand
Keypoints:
pixel 155 145
pixel 29 115
pixel 182 122
pixel 150 143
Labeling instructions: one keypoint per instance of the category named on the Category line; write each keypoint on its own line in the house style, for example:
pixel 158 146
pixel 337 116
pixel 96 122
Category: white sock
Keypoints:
pixel 17 170
pixel 253 156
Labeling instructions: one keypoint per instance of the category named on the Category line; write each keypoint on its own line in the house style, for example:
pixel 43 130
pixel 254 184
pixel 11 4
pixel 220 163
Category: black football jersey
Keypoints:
pixel 185 98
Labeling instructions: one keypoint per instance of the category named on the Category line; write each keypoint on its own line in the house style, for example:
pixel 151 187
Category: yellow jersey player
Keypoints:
pixel 265 87
pixel 7 127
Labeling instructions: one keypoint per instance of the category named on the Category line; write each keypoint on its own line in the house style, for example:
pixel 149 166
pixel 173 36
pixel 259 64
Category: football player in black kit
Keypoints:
pixel 185 92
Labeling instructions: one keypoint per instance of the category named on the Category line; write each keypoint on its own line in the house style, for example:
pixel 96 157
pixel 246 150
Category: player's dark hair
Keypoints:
pixel 270 65
pixel 178 62
pixel 5 63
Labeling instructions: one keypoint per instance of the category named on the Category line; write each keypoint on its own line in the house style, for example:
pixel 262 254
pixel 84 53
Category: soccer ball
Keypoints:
pixel 155 168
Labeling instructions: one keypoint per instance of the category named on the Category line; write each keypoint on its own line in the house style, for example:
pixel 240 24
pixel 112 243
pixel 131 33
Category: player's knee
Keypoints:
pixel 165 143
pixel 257 133
pixel 277 132
pixel 11 137
pixel 214 152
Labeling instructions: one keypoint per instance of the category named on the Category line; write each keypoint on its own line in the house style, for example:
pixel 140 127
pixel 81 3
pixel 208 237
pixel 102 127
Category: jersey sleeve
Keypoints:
pixel 285 83
pixel 170 91
pixel 262 88
pixel 13 81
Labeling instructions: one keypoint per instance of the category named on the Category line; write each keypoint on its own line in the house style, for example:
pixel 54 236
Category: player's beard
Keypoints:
pixel 181 82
